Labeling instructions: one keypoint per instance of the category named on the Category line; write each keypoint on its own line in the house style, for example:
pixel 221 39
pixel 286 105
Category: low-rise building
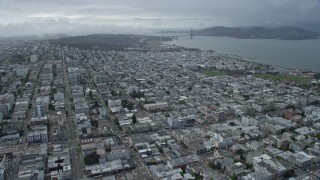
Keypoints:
pixel 181 122
pixel 118 154
pixel 156 106
pixel 38 135
pixel 300 159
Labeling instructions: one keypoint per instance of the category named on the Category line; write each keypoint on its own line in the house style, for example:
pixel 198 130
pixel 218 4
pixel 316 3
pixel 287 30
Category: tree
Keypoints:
pixel 240 151
pixel 160 150
pixel 242 134
pixel 197 176
pixel 212 165
pixel 92 158
pixel 51 107
pixel 48 126
pixel 135 94
pixel 249 166
pixel 94 123
pixel 234 177
pixel 113 93
pixel 116 120
pixel 21 132
pixel 150 82
pixel 134 119
pixel 124 103
pixel 108 149
pixel 127 104
pixel 90 94
pixel 96 104
pixel 246 97
pixel 289 173
pixel 53 91
pixel 130 106
pixel 316 76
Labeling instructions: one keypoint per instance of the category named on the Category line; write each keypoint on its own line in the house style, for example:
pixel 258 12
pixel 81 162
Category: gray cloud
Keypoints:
pixel 107 16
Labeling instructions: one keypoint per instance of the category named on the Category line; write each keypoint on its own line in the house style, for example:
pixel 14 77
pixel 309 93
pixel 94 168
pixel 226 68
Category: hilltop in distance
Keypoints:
pixel 256 32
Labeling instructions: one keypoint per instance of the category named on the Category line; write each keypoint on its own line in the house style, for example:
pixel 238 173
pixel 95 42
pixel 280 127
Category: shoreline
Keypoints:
pixel 242 58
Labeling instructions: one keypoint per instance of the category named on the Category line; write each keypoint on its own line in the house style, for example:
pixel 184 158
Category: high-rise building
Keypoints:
pixel 41 107
pixel 6 103
pixel 39 110
pixel 74 79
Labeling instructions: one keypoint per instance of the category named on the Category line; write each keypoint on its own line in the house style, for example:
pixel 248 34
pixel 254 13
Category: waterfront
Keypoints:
pixel 302 54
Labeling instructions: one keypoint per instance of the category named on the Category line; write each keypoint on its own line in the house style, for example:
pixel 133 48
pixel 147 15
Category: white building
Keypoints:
pixel 104 168
pixel 181 121
pixel 115 105
pixel 156 106
pixel 249 121
pixel 164 172
pixel 222 138
pixel 305 131
pixel 34 58
pixel 41 107
pixel 258 175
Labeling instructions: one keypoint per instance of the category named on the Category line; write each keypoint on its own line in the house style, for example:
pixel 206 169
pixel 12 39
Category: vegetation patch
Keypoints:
pixel 136 94
pixel 213 72
pixel 91 159
pixel 17 59
pixel 286 78
pixel 127 104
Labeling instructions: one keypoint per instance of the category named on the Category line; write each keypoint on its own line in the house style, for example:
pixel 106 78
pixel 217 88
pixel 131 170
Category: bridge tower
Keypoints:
pixel 191 34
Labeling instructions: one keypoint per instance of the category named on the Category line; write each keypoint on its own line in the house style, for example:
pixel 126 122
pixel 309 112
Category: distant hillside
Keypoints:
pixel 255 32
pixel 53 36
pixel 311 26
pixel 36 37
pixel 108 41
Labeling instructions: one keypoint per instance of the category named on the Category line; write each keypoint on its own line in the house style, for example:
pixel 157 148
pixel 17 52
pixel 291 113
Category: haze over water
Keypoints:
pixel 303 54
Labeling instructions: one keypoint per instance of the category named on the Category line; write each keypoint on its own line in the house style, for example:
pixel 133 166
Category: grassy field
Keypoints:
pixel 17 59
pixel 213 72
pixel 286 78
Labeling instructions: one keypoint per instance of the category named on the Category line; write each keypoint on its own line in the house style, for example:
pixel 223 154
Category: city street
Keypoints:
pixel 24 127
pixel 73 138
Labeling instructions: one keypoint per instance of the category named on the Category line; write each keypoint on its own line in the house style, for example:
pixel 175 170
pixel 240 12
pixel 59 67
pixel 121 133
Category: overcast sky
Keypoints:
pixel 32 17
